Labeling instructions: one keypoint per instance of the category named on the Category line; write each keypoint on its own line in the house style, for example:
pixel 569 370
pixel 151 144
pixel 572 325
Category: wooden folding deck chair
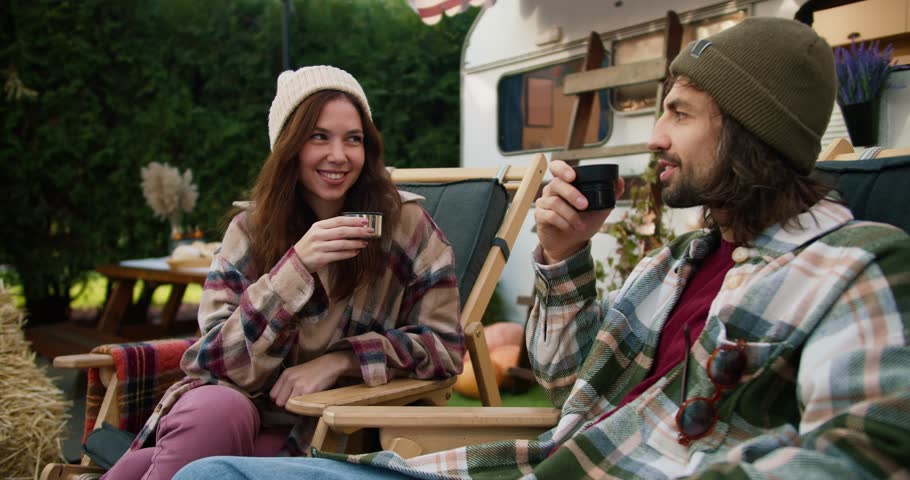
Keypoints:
pixel 871 189
pixel 472 207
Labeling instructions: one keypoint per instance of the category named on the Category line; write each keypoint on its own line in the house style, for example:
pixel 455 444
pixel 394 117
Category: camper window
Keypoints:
pixel 636 98
pixel 535 115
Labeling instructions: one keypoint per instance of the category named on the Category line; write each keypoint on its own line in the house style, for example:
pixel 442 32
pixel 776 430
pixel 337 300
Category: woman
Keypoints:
pixel 299 296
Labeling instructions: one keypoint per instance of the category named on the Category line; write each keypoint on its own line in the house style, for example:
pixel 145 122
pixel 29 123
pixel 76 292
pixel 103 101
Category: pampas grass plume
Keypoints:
pixel 167 191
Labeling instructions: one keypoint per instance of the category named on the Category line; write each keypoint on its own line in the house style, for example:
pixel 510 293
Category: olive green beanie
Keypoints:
pixel 775 76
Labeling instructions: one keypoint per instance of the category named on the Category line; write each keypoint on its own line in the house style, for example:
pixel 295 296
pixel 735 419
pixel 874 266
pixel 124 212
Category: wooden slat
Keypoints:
pixel 404 390
pixel 672 38
pixel 118 302
pixel 439 175
pixel 839 146
pixel 484 372
pixel 169 313
pixel 85 360
pixel 602 152
pixel 888 152
pixel 842 149
pixel 109 410
pixel 324 438
pixel 584 102
pixel 151 275
pixel 615 76
pixel 405 448
pixel 431 417
pixel 60 471
pixel 409 442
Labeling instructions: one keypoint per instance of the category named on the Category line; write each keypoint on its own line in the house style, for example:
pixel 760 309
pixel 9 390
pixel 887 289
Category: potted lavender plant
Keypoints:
pixel 862 71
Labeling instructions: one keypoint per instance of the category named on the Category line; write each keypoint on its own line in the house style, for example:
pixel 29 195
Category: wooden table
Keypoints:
pixel 123 277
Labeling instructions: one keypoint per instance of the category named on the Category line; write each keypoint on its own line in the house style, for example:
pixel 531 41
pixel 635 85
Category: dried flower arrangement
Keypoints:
pixel 14 87
pixel 862 71
pixel 168 192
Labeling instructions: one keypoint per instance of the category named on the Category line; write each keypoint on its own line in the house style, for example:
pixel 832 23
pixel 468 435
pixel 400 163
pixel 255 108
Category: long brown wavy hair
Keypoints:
pixel 753 183
pixel 280 215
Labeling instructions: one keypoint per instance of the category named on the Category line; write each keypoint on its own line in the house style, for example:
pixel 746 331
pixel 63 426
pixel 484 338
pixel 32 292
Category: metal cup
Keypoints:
pixel 374 219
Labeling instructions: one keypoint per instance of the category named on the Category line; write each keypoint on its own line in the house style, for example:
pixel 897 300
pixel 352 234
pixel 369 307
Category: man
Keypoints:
pixel 771 344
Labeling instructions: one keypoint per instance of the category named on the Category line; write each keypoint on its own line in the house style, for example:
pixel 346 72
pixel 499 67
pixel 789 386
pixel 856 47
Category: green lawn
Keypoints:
pixel 535 397
pixel 91 294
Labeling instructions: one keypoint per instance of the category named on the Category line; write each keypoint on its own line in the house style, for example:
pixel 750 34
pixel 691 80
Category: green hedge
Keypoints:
pixel 120 84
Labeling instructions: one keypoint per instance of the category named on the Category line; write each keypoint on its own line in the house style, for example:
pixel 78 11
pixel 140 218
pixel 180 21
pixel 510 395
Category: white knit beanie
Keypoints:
pixel 293 87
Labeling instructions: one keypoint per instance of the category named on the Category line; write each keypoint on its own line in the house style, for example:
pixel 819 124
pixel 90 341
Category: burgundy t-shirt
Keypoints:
pixel 692 309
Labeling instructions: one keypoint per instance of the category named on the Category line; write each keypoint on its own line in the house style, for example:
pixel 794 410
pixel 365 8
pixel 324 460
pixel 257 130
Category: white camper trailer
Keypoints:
pixel 512 106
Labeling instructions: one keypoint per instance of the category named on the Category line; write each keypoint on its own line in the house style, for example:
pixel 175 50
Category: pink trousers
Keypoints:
pixel 206 421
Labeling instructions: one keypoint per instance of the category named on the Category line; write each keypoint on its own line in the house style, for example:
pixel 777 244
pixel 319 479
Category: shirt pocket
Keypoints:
pixel 660 404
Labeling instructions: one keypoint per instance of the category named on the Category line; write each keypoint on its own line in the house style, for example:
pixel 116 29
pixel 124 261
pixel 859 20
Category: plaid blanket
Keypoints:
pixel 145 370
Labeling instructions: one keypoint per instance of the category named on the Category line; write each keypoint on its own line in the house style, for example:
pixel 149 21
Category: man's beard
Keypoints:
pixel 681 191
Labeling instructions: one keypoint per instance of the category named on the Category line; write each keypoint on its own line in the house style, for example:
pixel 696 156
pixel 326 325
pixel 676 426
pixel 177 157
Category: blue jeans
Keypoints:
pixel 281 468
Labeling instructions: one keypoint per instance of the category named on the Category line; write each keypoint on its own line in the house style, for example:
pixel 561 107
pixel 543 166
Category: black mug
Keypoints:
pixel 596 183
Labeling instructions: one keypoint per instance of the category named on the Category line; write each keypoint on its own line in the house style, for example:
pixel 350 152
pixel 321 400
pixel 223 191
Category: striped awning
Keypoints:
pixel 431 11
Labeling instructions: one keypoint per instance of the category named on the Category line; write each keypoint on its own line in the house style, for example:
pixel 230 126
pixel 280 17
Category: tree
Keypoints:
pixel 121 84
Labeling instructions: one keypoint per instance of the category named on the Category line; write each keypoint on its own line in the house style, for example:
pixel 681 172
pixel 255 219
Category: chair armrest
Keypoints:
pixel 397 392
pixel 85 360
pixel 345 417
pixel 413 431
pixel 61 471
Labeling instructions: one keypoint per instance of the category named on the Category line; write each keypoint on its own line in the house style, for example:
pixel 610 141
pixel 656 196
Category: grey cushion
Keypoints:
pixel 107 444
pixel 876 190
pixel 469 213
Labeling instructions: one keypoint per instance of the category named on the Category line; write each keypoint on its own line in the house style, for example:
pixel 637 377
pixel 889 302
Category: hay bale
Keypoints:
pixel 32 409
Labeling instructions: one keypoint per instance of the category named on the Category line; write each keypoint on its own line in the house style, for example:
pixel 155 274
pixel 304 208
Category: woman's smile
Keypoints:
pixel 332 177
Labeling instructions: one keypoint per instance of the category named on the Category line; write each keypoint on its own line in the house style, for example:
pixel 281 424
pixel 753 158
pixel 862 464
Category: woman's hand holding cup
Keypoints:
pixel 333 239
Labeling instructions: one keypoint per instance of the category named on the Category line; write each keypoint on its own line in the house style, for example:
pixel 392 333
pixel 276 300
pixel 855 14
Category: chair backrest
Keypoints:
pixel 472 208
pixel 470 213
pixel 877 189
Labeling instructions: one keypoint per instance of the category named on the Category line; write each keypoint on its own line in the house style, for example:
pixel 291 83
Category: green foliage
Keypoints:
pixel 535 397
pixel 412 83
pixel 120 84
pixel 496 309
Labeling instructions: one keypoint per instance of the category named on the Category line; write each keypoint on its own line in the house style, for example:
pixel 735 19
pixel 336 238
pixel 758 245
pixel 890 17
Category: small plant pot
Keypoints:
pixel 862 122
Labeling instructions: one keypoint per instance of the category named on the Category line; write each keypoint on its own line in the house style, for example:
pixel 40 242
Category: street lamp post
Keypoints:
pixel 285 55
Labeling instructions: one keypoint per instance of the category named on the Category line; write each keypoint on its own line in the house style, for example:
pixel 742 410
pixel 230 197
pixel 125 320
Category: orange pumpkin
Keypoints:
pixel 466 383
pixel 503 358
pixel 503 333
pixel 499 334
